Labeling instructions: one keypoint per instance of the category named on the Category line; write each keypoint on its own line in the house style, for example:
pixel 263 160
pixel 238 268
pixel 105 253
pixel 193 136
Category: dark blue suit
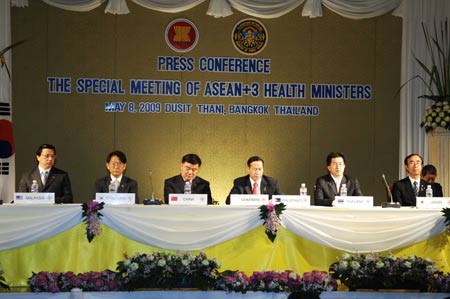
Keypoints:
pixel 242 185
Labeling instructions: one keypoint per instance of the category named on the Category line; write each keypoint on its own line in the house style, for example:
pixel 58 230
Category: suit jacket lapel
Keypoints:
pixel 332 184
pixel 37 176
pixel 248 186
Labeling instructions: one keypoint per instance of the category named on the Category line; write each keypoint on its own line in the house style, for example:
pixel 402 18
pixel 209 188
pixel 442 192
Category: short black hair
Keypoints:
pixel 429 169
pixel 410 155
pixel 192 158
pixel 333 155
pixel 45 146
pixel 253 159
pixel 119 154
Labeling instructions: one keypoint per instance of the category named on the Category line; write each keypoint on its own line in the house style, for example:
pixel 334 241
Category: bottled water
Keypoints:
pixel 303 190
pixel 112 187
pixel 429 191
pixel 343 190
pixel 34 187
pixel 187 187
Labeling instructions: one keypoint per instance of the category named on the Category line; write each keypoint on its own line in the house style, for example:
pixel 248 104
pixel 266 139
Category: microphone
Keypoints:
pixel 389 204
pixel 152 200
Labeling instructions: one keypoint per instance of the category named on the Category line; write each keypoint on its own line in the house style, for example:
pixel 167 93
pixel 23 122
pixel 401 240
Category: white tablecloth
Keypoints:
pixel 192 228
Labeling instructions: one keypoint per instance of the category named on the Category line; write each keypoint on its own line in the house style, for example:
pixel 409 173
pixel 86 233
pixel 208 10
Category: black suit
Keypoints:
pixel 325 189
pixel 175 185
pixel 402 191
pixel 58 182
pixel 242 185
pixel 127 185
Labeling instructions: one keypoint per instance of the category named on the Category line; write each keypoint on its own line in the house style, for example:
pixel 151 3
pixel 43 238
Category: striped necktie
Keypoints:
pixel 415 188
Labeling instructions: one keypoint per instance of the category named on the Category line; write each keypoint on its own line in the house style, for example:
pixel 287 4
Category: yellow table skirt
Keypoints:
pixel 253 251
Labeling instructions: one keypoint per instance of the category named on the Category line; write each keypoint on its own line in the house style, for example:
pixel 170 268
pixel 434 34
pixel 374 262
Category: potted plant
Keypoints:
pixel 437 77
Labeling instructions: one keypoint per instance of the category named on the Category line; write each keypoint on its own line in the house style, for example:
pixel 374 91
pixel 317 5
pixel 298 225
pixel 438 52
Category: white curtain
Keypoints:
pixel 413 138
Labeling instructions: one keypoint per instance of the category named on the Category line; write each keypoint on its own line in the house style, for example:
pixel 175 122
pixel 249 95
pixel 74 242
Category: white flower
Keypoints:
pixel 346 256
pixel 161 263
pixel 134 266
pixel 447 118
pixel 343 265
pixel 185 262
pixel 429 119
pixel 438 104
pixel 205 263
pixel 438 119
pixel 433 114
pixel 355 265
pixel 408 264
pixel 433 125
pixel 443 124
pixel 369 258
pixel 412 257
pixel 127 262
pixel 379 265
pixel 438 109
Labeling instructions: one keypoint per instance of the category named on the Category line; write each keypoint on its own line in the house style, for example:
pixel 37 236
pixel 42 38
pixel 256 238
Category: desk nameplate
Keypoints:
pixel 116 198
pixel 353 201
pixel 249 199
pixel 188 199
pixel 40 198
pixel 293 200
pixel 432 202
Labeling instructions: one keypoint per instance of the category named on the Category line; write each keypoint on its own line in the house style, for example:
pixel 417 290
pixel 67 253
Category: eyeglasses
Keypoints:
pixel 48 156
pixel 116 164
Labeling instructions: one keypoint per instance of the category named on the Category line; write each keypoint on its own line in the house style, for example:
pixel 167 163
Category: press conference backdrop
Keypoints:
pixel 278 111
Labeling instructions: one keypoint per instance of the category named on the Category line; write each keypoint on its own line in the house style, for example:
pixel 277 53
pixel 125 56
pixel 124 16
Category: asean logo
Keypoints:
pixel 249 36
pixel 181 35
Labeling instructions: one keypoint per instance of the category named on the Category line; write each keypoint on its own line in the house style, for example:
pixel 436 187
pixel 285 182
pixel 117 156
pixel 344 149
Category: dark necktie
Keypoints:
pixel 415 188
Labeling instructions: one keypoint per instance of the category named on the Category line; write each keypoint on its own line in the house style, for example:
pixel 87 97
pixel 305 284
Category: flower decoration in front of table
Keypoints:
pixel 372 271
pixel 167 271
pixel 3 283
pixel 63 282
pixel 437 115
pixel 271 213
pixel 91 217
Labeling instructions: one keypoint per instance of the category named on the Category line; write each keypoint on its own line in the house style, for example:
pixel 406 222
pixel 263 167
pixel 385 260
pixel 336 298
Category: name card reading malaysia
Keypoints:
pixel 40 198
pixel 292 200
pixel 249 199
pixel 353 201
pixel 432 202
pixel 188 199
pixel 116 198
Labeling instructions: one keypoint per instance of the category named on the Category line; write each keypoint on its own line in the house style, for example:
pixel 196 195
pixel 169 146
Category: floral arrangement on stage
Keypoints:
pixel 312 283
pixel 91 216
pixel 271 213
pixel 372 271
pixel 437 115
pixel 167 271
pixel 63 282
pixel 3 283
pixel 446 212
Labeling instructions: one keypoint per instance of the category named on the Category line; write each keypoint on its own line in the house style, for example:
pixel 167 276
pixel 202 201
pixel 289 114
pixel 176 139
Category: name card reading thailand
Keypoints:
pixel 40 198
pixel 188 199
pixel 249 199
pixel 116 198
pixel 293 200
pixel 432 202
pixel 353 201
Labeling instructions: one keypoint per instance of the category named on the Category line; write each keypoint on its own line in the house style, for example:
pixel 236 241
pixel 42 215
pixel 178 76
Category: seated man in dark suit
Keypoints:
pixel 429 174
pixel 49 178
pixel 255 182
pixel 406 190
pixel 329 186
pixel 116 164
pixel 190 164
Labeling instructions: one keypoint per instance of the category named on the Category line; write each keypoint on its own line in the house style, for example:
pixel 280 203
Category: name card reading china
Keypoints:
pixel 116 198
pixel 40 198
pixel 249 199
pixel 292 200
pixel 188 199
pixel 432 202
pixel 353 201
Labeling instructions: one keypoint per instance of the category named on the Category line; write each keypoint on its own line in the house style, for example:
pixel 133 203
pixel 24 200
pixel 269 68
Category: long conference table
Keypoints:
pixel 37 238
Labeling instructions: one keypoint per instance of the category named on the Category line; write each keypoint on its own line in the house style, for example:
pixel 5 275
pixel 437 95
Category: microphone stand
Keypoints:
pixel 389 204
pixel 152 200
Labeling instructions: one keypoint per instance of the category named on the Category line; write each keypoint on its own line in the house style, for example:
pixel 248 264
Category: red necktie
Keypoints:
pixel 255 188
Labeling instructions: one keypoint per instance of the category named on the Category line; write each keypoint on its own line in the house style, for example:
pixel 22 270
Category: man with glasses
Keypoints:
pixel 49 178
pixel 330 185
pixel 116 181
pixel 255 182
pixel 187 181
pixel 406 190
